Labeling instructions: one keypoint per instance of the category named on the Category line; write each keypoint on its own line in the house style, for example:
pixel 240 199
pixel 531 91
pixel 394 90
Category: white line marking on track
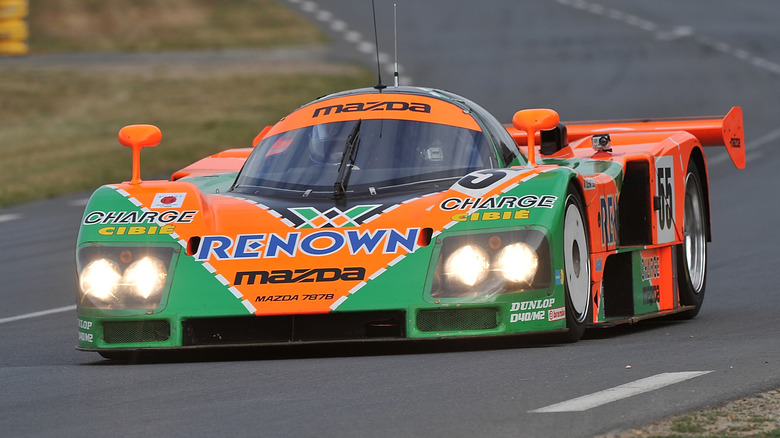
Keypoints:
pixel 37 314
pixel 678 32
pixel 620 392
pixel 9 217
pixel 362 45
pixel 79 202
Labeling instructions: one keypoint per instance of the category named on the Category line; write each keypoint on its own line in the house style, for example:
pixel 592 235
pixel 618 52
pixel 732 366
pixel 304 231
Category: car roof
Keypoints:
pixel 401 103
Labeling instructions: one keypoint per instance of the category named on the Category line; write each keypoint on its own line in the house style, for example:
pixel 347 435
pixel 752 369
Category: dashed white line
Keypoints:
pixel 361 45
pixel 676 33
pixel 620 392
pixel 37 314
pixel 9 217
pixel 79 202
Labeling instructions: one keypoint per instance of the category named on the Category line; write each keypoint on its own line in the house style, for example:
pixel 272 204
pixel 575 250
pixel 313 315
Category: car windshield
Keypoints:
pixel 385 153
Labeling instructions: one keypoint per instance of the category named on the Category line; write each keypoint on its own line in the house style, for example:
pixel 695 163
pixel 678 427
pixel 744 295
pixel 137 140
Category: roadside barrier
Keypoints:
pixel 14 29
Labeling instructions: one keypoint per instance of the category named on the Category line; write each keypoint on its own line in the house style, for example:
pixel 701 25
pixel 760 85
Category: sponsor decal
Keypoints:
pixel 168 200
pixel 499 202
pixel 651 294
pixel 85 325
pixel 372 106
pixel 545 303
pixel 530 310
pixel 139 217
pixel 136 230
pixel 491 215
pixel 556 314
pixel 607 220
pixel 316 275
pixel 527 316
pixel 296 297
pixel 319 243
pixel 651 268
pixel 331 218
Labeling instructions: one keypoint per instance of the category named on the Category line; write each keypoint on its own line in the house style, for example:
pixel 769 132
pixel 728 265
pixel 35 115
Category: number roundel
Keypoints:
pixel 665 186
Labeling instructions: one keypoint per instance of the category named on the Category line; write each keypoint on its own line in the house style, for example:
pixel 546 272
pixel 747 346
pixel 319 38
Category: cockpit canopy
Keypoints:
pixel 370 143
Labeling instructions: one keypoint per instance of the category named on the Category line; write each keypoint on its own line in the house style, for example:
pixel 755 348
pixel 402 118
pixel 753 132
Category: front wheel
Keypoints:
pixel 692 254
pixel 576 266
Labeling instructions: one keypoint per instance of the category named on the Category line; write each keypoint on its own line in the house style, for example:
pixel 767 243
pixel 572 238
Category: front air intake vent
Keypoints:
pixel 126 332
pixel 448 320
pixel 345 326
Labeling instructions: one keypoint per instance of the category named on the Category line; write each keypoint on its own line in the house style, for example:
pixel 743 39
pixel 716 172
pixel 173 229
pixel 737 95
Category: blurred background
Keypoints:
pixel 211 74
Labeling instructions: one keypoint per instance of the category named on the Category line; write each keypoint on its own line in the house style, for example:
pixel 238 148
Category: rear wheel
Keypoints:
pixel 576 266
pixel 692 254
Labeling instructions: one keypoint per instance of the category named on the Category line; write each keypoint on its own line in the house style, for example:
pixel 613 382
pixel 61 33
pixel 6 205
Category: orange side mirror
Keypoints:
pixel 532 121
pixel 138 137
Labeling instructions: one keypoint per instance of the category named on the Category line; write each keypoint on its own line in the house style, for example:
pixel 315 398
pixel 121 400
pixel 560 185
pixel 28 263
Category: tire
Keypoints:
pixel 576 266
pixel 692 253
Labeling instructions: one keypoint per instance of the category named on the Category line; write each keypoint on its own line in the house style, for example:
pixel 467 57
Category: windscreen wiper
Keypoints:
pixel 347 162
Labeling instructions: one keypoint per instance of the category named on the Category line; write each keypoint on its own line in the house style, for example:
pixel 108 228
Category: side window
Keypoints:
pixel 505 147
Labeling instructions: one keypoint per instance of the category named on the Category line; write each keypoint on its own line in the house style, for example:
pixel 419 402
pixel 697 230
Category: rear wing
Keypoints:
pixel 710 131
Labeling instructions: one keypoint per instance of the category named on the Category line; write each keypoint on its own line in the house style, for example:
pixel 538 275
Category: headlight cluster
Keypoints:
pixel 122 278
pixel 486 264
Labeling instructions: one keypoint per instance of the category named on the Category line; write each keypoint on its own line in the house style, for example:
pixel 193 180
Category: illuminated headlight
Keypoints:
pixel 467 265
pixel 486 264
pixel 100 279
pixel 123 278
pixel 517 263
pixel 145 277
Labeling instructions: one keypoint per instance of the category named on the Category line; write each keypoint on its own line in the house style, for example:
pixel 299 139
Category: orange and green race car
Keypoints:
pixel 402 213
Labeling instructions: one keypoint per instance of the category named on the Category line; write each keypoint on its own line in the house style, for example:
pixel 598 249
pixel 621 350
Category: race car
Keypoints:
pixel 402 213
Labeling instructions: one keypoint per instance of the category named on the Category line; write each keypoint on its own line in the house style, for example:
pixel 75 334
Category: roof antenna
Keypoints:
pixel 379 86
pixel 395 44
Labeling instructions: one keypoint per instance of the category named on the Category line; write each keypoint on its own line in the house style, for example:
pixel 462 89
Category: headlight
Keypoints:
pixel 517 263
pixel 145 277
pixel 121 277
pixel 100 279
pixel 467 265
pixel 486 264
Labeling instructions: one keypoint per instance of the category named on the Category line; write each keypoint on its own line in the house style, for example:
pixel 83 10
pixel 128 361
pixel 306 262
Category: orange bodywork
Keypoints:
pixel 666 146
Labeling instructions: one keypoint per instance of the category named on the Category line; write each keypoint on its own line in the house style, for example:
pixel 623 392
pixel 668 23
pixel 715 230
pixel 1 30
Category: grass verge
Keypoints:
pixel 150 25
pixel 58 122
pixel 59 133
pixel 757 416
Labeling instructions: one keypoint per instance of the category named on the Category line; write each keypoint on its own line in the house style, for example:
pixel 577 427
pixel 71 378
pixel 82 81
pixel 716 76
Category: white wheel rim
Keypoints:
pixel 695 243
pixel 576 261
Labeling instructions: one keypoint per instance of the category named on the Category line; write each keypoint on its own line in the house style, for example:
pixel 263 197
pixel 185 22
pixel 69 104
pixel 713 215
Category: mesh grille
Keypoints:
pixel 294 328
pixel 457 319
pixel 122 332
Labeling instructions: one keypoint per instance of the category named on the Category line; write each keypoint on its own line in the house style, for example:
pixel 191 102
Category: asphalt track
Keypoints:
pixel 588 60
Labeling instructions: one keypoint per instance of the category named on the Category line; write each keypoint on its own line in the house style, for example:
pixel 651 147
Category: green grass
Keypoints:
pixel 144 25
pixel 60 134
pixel 59 124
